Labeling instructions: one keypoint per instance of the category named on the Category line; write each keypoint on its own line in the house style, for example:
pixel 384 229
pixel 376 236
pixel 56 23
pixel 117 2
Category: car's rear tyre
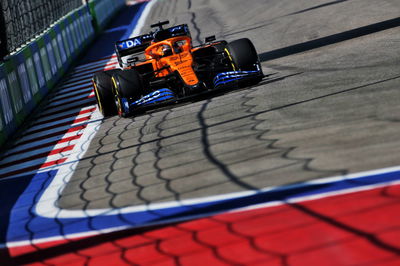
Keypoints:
pixel 243 54
pixel 103 91
pixel 128 87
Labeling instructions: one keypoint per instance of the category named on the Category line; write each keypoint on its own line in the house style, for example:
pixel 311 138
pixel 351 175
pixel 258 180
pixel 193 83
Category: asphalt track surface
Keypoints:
pixel 329 105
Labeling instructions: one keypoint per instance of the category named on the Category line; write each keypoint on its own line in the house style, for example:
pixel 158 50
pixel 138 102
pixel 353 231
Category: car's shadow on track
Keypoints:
pixel 331 39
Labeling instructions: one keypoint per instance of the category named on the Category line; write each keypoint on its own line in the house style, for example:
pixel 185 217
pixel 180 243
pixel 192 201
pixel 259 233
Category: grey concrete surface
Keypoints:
pixel 329 105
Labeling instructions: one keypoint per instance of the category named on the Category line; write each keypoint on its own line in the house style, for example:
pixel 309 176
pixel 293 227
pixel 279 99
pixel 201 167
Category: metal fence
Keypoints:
pixel 21 20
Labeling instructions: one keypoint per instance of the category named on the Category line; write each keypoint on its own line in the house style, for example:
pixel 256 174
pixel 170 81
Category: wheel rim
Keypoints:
pixel 117 98
pixel 96 93
pixel 230 59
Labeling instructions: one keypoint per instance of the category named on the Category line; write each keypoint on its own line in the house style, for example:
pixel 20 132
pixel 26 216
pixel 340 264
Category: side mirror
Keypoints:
pixel 210 39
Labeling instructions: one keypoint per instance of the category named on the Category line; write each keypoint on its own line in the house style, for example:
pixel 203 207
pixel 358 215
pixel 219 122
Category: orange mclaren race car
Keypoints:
pixel 163 67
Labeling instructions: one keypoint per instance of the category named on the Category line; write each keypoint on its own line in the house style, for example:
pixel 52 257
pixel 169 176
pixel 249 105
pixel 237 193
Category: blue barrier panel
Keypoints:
pixel 40 72
pixel 23 78
pixel 6 112
pixel 76 30
pixel 71 36
pixel 85 21
pixel 74 34
pixel 51 56
pixel 32 74
pixel 56 51
pixel 14 90
pixel 85 28
pixel 60 45
pixel 81 18
pixel 68 49
pixel 4 102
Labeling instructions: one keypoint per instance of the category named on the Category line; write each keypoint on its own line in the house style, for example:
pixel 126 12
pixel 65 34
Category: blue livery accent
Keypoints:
pixel 154 97
pixel 179 30
pixel 125 105
pixel 232 76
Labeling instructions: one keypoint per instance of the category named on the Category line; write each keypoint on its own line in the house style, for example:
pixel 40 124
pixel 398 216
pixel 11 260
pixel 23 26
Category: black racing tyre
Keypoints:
pixel 103 90
pixel 127 84
pixel 242 54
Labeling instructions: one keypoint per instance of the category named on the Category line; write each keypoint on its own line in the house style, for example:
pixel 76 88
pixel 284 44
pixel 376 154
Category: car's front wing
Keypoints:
pixel 230 78
pixel 165 95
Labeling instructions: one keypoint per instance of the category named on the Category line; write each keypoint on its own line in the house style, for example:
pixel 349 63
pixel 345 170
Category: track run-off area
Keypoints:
pixel 301 169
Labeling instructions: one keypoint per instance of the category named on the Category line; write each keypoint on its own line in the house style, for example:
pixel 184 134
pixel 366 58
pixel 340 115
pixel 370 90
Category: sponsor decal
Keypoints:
pixel 130 43
pixel 137 41
pixel 177 28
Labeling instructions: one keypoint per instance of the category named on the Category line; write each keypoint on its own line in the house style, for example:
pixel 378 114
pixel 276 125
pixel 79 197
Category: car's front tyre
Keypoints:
pixel 244 57
pixel 128 87
pixel 243 54
pixel 103 91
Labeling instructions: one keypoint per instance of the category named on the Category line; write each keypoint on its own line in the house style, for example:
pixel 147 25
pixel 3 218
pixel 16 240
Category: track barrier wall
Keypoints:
pixel 103 11
pixel 27 76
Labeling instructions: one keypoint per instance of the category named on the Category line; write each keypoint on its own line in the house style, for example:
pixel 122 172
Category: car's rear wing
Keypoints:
pixel 175 31
pixel 140 43
pixel 134 45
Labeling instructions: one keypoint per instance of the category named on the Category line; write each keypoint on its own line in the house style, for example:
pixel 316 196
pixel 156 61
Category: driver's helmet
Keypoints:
pixel 178 47
pixel 166 50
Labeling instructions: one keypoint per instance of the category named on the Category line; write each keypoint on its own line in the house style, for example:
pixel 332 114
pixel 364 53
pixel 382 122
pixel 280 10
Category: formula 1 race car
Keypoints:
pixel 163 67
